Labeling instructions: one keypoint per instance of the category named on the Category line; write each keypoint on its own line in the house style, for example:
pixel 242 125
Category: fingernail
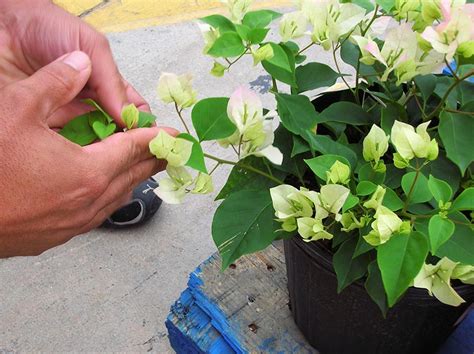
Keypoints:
pixel 78 61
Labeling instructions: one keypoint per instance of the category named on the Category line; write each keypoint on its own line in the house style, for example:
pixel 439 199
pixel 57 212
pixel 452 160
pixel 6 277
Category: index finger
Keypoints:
pixel 120 152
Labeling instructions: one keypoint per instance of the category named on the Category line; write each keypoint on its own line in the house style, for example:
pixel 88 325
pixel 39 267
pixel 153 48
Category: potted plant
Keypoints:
pixel 370 184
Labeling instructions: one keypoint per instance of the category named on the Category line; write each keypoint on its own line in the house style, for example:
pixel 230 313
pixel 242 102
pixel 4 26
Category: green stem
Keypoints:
pixel 236 60
pixel 305 48
pixel 244 166
pixel 182 119
pixel 339 70
pixel 446 95
pixel 275 85
pixel 451 70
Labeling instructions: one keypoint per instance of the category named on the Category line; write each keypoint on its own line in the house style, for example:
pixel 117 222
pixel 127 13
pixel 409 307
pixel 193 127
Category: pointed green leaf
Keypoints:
pixel 296 112
pixel 325 145
pixel 374 287
pixel 344 112
pixel 351 202
pixel 440 231
pixel 391 200
pixel 243 224
pixel 366 188
pixel 416 187
pixel 455 131
pixel 349 269
pixel 146 120
pixel 440 189
pixel 260 18
pixel 210 119
pixel 400 260
pixel 219 22
pixel 315 75
pixel 227 45
pixel 94 104
pixel 196 160
pixel 465 201
pixel 79 131
pixel 282 65
pixel 460 247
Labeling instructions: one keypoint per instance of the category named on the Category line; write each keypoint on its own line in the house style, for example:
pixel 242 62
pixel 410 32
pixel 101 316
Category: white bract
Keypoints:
pixel 130 116
pixel 175 151
pixel 385 225
pixel 455 30
pixel 375 144
pixel 254 133
pixel 410 143
pixel 289 204
pixel 333 197
pixel 293 25
pixel 177 89
pixel 237 8
pixel 331 20
pixel 172 189
pixel 210 35
pixel 263 53
pixel 437 280
pixel 203 184
pixel 339 173
pixel 312 229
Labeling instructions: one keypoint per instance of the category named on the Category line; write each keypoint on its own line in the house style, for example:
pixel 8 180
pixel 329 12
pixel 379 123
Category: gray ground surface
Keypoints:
pixel 111 291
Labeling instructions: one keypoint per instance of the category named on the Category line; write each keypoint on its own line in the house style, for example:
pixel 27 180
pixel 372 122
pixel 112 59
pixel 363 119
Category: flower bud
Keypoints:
pixel 130 115
pixel 263 53
pixel 385 225
pixel 339 173
pixel 218 69
pixel 377 199
pixel 375 144
pixel 177 89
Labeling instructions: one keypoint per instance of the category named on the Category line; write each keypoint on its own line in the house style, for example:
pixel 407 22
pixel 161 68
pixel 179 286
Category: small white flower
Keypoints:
pixel 172 189
pixel 293 25
pixel 177 89
pixel 237 8
pixel 375 144
pixel 175 151
pixel 410 143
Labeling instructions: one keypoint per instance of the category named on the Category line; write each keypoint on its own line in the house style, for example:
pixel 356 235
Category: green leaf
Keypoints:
pixel 315 75
pixel 296 112
pixel 391 200
pixel 347 268
pixel 260 19
pixel 426 84
pixel 362 246
pixel 300 146
pixel 220 22
pixel 244 223
pixel 345 112
pixel 393 177
pixel 374 287
pixel 210 119
pixel 282 65
pixel 386 5
pixel 242 179
pixel 257 35
pixel 440 231
pixel 94 104
pixel 442 87
pixel 365 188
pixel 366 4
pixel 79 131
pixel 102 130
pixel 367 173
pixel 465 201
pixel 400 260
pixel 460 247
pixel 455 131
pixel 394 111
pixel 145 120
pixel 420 193
pixel 227 45
pixel 350 54
pixel 325 145
pixel 322 164
pixel 440 189
pixel 444 169
pixel 351 202
pixel 196 160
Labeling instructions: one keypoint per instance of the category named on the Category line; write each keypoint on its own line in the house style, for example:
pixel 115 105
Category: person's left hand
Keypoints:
pixel 34 33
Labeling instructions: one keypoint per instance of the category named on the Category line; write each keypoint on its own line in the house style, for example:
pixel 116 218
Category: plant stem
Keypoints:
pixel 275 85
pixel 244 166
pixel 339 70
pixel 182 119
pixel 236 60
pixel 446 95
pixel 305 48
pixel 451 70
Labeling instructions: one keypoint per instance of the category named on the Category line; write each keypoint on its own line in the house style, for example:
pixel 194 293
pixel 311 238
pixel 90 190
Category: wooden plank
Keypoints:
pixel 246 305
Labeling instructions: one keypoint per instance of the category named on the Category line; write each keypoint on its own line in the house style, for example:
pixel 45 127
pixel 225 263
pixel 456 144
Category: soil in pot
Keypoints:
pixel 351 322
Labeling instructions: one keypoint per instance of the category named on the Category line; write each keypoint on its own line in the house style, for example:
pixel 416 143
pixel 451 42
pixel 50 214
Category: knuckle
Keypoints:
pixel 62 83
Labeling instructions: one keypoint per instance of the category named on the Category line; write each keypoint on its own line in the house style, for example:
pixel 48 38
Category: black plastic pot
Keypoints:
pixel 351 322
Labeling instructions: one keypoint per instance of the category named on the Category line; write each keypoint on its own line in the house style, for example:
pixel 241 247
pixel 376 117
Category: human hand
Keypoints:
pixel 53 189
pixel 34 33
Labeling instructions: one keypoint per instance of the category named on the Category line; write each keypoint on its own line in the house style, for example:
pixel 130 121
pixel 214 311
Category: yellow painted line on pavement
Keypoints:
pixel 123 15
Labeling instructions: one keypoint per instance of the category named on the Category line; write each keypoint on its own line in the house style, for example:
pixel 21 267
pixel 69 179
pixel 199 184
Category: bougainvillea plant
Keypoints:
pixel 382 174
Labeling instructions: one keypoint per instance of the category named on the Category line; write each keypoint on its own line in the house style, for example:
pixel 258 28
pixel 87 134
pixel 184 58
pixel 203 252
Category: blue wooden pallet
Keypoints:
pixel 245 310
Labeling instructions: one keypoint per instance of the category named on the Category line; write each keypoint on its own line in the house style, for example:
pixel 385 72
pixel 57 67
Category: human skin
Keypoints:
pixel 52 189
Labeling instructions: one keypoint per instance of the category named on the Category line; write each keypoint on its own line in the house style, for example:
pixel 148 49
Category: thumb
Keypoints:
pixel 58 83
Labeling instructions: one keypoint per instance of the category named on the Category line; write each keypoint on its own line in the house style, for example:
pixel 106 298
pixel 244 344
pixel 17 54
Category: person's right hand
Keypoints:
pixel 52 189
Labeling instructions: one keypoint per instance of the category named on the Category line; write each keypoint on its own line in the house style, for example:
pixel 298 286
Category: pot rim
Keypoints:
pixel 324 257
